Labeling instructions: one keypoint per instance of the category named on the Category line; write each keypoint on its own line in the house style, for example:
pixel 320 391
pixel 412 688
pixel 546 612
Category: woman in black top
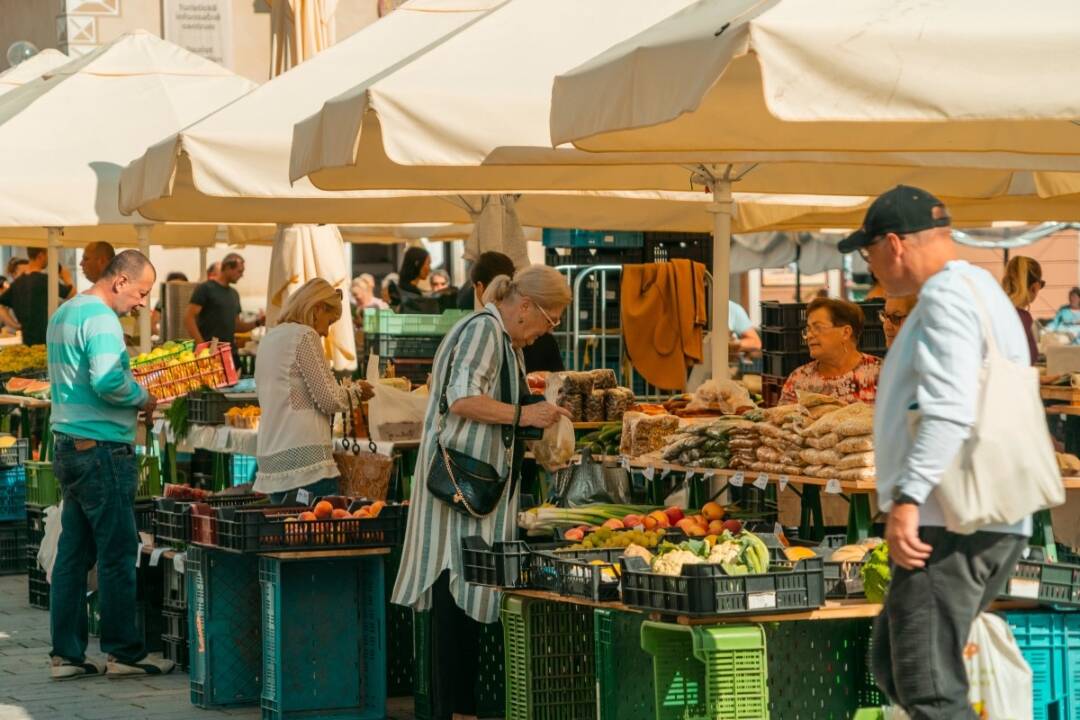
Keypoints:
pixel 406 294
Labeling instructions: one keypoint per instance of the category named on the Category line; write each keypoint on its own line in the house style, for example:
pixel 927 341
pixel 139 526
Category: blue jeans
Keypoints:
pixel 98 485
pixel 319 488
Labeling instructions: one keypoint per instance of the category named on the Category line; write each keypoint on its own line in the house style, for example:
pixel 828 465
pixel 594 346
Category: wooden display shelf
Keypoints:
pixel 855 486
pixel 319 554
pixel 23 401
pixel 1069 395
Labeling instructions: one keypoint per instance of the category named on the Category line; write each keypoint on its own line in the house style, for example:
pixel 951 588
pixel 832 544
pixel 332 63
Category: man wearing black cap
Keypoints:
pixel 941 580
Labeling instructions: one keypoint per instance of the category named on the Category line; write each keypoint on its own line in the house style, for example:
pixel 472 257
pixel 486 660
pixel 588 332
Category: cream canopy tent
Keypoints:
pixel 64 138
pixel 473 113
pixel 31 69
pixel 232 166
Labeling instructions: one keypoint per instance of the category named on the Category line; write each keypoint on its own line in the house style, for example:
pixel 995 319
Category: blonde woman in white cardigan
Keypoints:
pixel 299 396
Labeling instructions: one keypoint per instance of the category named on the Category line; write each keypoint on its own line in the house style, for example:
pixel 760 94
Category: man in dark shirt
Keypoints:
pixel 28 297
pixel 214 310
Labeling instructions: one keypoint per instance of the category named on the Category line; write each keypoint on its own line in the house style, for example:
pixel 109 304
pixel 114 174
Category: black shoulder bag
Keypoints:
pixel 473 487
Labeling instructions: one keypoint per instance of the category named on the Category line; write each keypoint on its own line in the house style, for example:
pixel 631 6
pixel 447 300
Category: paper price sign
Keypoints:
pixel 665 472
pixel 650 473
pixel 303 497
pixel 833 487
pixel 761 481
pixel 155 556
pixel 159 425
pixel 784 480
pixel 689 475
pixel 737 479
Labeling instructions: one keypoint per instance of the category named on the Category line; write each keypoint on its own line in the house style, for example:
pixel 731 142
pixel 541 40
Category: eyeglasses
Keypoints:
pixel 891 318
pixel 553 323
pixel 815 330
pixel 864 252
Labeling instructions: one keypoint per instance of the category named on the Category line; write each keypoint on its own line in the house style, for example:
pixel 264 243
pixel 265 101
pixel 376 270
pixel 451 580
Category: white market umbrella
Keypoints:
pixel 304 252
pixel 65 137
pixel 31 69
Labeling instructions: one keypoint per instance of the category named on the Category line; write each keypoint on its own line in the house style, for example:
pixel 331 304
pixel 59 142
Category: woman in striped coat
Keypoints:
pixel 517 312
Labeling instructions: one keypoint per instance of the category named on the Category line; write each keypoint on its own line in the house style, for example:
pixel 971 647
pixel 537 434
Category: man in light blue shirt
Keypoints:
pixel 941 580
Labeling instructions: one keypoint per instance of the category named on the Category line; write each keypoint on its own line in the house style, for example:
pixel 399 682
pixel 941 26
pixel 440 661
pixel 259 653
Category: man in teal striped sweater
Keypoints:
pixel 95 406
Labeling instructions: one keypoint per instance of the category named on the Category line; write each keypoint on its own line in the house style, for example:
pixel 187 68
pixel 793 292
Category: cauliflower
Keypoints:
pixel 637 551
pixel 724 552
pixel 671 563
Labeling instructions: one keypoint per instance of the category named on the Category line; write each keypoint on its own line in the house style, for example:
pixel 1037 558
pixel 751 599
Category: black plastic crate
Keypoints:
pixel 16 454
pixel 173 589
pixel 502 564
pixel 38 588
pixel 584 256
pixel 789 316
pixel 782 364
pixel 174 624
pixel 871 312
pixel 1035 578
pixel 176 650
pixel 401 346
pixel 707 590
pixel 873 340
pixel 144 516
pixel 575 573
pixel 261 530
pixel 172 518
pixel 35 525
pixel 667 246
pixel 12 548
pixel 782 339
pixel 209 408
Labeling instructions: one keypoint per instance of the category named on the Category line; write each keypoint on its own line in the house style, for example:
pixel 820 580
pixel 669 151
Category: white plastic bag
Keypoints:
pixel 393 415
pixel 554 450
pixel 47 552
pixel 999 677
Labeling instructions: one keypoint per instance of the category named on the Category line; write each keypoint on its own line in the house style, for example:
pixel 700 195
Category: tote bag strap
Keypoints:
pixel 990 345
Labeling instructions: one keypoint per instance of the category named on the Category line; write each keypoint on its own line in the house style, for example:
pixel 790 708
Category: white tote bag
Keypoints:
pixel 1007 469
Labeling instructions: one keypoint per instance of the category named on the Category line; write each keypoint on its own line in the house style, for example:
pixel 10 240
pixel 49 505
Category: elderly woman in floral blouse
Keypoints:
pixel 838 369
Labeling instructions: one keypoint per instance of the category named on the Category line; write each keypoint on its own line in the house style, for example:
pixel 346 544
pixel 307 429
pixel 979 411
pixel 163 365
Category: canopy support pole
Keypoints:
pixel 143 232
pixel 53 269
pixel 721 209
pixel 202 264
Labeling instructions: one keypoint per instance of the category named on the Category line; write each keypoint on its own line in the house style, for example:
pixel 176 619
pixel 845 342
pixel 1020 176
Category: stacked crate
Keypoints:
pixel 174 614
pixel 784 349
pixel 408 342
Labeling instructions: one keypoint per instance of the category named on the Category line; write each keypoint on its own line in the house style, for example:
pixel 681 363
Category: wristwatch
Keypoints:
pixel 903 499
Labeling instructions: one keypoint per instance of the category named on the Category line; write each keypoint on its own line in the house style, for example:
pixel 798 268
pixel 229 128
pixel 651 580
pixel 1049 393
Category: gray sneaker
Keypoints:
pixel 149 665
pixel 64 669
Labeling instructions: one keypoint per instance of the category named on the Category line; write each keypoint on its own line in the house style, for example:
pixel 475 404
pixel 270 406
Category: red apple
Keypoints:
pixel 631 520
pixel 574 534
pixel 733 526
pixel 614 524
pixel 674 514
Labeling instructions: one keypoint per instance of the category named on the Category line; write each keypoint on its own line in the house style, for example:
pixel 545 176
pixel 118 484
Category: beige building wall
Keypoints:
pixel 77 26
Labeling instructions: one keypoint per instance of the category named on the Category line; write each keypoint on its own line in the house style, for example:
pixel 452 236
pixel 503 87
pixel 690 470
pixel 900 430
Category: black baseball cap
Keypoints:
pixel 902 210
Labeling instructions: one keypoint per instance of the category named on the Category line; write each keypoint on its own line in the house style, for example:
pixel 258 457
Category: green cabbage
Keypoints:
pixel 876 574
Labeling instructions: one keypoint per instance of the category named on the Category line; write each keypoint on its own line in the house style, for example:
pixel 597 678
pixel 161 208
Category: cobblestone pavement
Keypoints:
pixel 26 693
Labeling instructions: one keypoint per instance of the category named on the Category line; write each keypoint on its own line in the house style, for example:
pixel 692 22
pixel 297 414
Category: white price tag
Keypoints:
pixel 138 554
pixel 833 487
pixel 761 600
pixel 778 530
pixel 625 463
pixel 178 562
pixel 155 556
pixel 1024 588
pixel 761 481
pixel 737 479
pixel 689 475
pixel 650 473
pixel 783 481
pixel 303 497
pixel 159 424
pixel 665 471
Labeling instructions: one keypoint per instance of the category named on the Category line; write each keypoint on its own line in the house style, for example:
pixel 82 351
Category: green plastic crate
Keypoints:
pixel 43 489
pixel 869 714
pixel 550 668
pixel 708 673
pixel 624 672
pixel 819 669
pixel 41 486
pixel 387 322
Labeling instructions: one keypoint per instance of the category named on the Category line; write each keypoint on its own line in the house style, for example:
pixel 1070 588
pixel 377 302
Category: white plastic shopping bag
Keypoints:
pixel 999 677
pixel 554 450
pixel 393 415
pixel 47 552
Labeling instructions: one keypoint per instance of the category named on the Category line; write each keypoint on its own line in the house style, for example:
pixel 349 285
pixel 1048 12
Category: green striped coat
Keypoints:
pixel 433 537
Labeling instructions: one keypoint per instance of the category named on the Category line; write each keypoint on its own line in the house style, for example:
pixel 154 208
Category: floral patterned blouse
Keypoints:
pixel 859 385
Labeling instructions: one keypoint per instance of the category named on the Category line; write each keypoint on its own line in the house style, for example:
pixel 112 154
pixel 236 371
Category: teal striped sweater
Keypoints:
pixel 94 395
